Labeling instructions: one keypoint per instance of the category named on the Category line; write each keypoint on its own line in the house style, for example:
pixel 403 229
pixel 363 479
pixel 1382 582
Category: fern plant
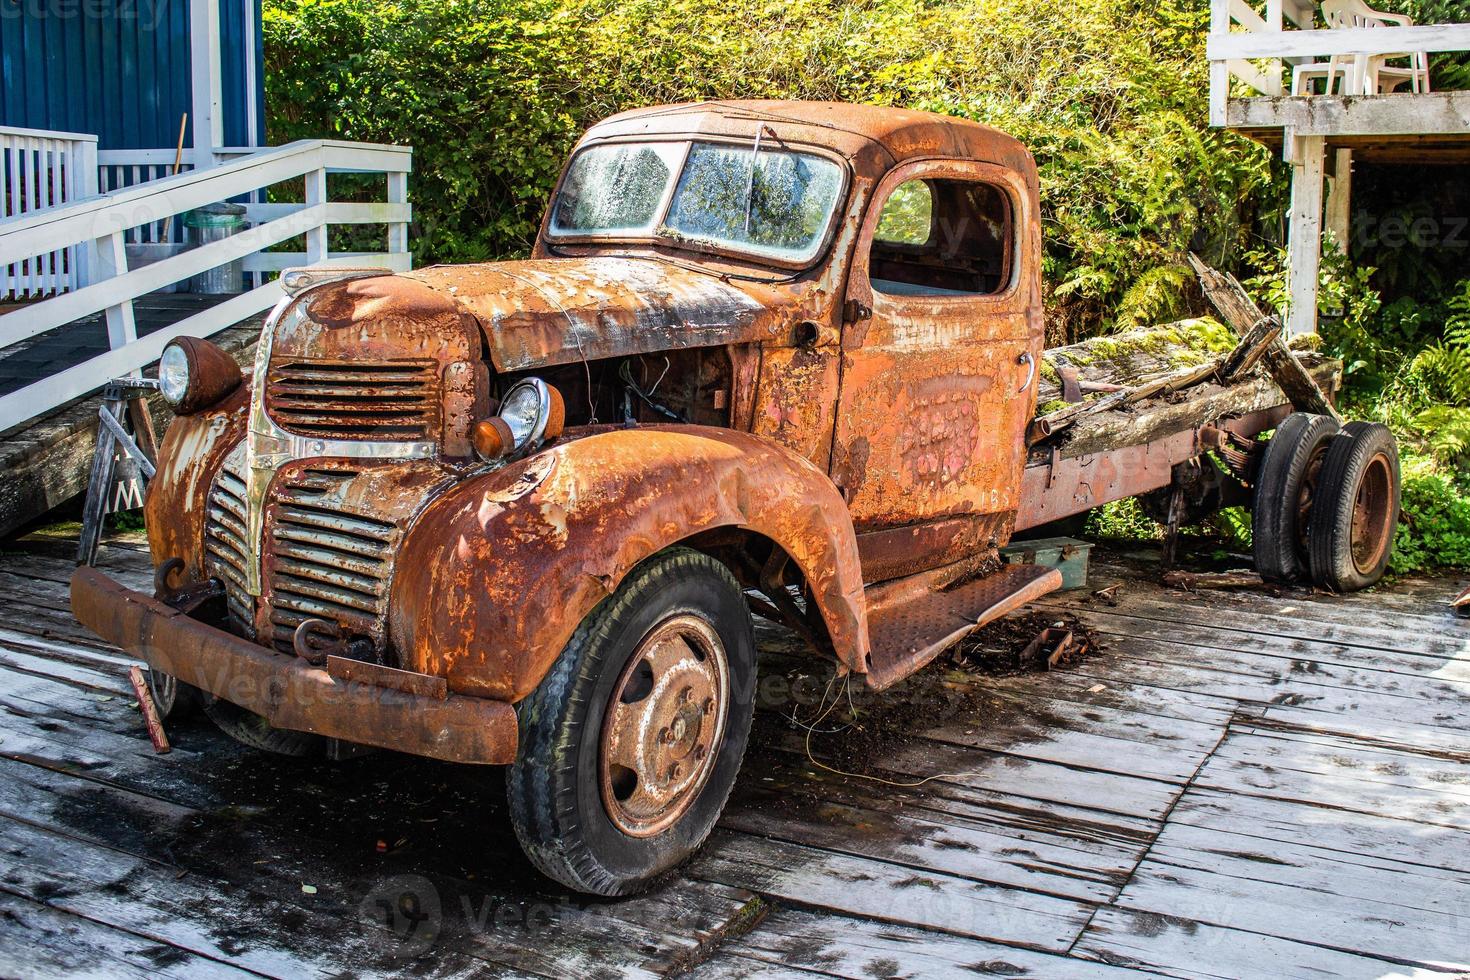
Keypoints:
pixel 1446 430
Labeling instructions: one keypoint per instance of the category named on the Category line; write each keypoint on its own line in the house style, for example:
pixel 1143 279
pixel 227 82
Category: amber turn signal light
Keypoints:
pixel 491 438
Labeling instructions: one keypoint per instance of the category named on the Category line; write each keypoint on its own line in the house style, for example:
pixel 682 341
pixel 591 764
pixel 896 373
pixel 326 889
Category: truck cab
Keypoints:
pixel 769 359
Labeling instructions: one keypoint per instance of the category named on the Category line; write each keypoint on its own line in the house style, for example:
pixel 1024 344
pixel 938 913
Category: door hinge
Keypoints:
pixel 853 311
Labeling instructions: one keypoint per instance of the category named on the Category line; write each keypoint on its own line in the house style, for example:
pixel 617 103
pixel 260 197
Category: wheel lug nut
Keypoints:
pixel 666 735
pixel 675 771
pixel 708 706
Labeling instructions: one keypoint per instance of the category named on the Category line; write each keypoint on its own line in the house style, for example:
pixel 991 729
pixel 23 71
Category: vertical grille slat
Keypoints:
pixel 326 561
pixel 391 400
pixel 225 547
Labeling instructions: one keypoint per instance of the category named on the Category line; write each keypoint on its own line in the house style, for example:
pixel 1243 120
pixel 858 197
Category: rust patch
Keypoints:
pixel 497 573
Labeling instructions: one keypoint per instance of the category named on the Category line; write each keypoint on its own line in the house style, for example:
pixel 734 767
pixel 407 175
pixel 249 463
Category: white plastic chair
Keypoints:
pixel 1363 75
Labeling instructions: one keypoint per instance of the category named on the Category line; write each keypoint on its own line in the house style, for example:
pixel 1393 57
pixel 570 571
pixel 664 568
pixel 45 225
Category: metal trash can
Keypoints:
pixel 212 223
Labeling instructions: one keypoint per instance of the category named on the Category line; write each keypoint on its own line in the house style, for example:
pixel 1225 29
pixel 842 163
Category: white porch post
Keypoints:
pixel 1340 199
pixel 1304 231
pixel 204 61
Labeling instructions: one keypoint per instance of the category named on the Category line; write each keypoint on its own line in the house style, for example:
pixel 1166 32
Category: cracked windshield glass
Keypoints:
pixel 769 202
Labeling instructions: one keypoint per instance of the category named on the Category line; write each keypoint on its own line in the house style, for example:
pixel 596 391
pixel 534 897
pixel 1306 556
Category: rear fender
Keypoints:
pixel 496 574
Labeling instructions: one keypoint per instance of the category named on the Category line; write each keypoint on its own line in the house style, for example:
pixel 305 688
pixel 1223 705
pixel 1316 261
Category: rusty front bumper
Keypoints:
pixel 416 715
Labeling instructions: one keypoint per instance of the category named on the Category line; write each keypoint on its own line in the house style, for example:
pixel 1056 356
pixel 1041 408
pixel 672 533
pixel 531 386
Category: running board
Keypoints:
pixel 908 633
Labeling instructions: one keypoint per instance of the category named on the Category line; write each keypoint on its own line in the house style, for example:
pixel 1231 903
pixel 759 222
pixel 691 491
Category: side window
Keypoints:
pixel 943 237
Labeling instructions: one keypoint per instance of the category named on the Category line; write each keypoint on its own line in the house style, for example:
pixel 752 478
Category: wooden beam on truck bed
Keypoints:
pixel 1244 317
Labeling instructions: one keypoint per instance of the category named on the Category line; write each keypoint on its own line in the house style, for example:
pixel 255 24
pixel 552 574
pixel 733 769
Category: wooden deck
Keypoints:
pixel 1241 785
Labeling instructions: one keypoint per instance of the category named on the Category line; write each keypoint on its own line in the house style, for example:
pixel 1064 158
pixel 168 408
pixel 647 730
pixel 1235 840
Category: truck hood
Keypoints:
pixel 557 311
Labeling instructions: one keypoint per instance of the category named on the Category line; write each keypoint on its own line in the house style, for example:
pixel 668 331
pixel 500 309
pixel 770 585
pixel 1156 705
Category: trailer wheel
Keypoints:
pixel 630 745
pixel 248 728
pixel 1286 485
pixel 1357 512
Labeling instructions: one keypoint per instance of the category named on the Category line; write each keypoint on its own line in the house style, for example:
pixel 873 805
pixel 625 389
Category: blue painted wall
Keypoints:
pixel 120 69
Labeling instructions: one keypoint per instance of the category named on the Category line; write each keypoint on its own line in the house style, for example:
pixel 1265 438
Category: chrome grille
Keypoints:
pixel 226 545
pixel 388 400
pixel 327 563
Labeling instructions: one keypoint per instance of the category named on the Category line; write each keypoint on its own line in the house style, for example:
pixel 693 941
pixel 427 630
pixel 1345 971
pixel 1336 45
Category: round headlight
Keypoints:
pixel 195 374
pixel 531 412
pixel 173 375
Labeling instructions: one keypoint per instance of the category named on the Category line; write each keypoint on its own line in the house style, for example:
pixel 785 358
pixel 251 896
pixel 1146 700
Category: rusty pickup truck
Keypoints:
pixel 766 358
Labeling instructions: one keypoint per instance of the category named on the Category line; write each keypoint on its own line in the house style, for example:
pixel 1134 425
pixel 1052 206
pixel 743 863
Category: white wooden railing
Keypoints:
pixel 1254 44
pixel 41 169
pixel 99 226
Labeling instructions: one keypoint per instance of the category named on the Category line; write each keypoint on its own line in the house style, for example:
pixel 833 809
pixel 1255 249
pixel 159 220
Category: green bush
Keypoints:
pixel 1435 529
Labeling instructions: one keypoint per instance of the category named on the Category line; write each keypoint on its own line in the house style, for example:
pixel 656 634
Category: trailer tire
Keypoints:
pixel 249 728
pixel 1285 486
pixel 1356 515
pixel 583 818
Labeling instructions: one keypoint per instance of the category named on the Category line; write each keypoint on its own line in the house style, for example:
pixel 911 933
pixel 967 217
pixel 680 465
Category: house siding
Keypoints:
pixel 120 69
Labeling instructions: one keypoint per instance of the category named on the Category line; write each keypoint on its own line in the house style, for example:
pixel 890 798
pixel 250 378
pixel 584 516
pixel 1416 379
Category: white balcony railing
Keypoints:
pixel 41 169
pixel 1255 47
pixel 99 228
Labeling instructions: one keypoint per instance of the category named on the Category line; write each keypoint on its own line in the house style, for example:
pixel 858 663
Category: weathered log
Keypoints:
pixel 1120 360
pixel 1213 580
pixel 1143 421
pixel 1241 313
pixel 1253 347
pixel 1163 384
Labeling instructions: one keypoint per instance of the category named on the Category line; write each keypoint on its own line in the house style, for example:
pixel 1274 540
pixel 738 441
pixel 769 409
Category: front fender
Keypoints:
pixel 192 451
pixel 497 573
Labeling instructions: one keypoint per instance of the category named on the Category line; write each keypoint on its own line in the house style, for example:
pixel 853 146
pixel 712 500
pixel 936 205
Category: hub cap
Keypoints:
pixel 664 725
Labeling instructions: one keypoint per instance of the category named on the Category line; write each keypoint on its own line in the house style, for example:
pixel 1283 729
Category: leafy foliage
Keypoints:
pixel 1434 531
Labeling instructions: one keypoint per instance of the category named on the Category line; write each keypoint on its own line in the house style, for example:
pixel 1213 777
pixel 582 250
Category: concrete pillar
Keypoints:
pixel 1304 231
pixel 1339 220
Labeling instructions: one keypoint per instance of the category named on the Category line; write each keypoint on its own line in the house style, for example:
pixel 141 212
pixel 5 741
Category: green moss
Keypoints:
pixel 1188 343
pixel 1055 405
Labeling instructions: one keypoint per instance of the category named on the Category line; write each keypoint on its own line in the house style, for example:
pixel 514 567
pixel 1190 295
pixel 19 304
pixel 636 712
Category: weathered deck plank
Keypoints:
pixel 1240 785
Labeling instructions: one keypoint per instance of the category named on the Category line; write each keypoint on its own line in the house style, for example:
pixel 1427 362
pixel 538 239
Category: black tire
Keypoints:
pixel 555 787
pixel 1285 484
pixel 1355 517
pixel 172 697
pixel 251 729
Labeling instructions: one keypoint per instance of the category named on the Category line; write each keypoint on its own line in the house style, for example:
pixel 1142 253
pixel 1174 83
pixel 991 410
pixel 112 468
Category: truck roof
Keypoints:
pixel 848 128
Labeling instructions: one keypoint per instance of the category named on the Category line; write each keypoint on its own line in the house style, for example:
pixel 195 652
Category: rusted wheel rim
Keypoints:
pixel 664 725
pixel 1306 495
pixel 1372 514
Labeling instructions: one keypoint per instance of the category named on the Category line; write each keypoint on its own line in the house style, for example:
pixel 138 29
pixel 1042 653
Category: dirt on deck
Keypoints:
pixel 842 725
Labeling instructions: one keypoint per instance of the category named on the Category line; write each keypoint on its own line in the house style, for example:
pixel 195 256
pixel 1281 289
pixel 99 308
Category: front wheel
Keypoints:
pixel 630 745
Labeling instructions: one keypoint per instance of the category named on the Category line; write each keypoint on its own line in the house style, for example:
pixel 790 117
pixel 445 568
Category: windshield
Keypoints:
pixel 773 203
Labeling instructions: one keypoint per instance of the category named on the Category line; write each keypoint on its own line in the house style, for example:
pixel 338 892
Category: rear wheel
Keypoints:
pixel 630 745
pixel 1357 510
pixel 1286 485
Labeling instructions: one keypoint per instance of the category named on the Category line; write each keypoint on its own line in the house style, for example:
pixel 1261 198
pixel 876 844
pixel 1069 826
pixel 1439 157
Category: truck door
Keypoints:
pixel 940 341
